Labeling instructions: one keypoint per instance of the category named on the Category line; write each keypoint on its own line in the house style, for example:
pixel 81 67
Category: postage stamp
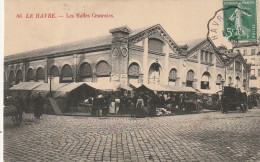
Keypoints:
pixel 240 20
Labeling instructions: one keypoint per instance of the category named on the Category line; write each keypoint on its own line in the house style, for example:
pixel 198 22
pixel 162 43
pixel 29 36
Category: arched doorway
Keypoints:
pixel 155 74
pixel 85 72
pixel 205 81
pixel 103 71
pixel 30 75
pixel 173 77
pixel 66 74
pixel 19 76
pixel 54 71
pixel 40 75
pixel 11 77
pixel 133 73
pixel 190 78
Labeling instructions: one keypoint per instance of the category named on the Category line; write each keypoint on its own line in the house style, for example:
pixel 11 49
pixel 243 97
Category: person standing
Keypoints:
pixel 38 106
pixel 95 105
pixel 139 107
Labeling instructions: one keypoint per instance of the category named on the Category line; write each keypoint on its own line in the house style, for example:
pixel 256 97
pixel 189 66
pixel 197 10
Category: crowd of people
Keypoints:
pixel 26 103
pixel 137 105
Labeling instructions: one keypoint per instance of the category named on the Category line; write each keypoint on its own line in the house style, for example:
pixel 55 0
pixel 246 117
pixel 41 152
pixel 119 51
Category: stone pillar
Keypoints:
pixel 198 76
pixel 74 68
pixel 46 71
pixel 145 61
pixel 166 65
pixel 24 72
pixel 214 75
pixel 226 76
pixel 183 72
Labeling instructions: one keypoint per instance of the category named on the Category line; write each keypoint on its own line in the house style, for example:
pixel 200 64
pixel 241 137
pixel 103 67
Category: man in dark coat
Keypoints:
pixel 38 106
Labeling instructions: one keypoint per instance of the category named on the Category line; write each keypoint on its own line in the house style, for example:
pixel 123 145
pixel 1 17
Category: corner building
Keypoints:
pixel 143 56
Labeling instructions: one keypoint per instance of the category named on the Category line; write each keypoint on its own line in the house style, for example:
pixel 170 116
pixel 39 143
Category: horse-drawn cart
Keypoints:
pixel 15 113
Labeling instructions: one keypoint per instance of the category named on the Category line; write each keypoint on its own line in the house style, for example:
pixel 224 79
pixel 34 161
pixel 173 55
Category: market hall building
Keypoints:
pixel 143 56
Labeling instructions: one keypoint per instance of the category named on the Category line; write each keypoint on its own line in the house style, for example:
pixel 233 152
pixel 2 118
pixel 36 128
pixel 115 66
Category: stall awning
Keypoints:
pixel 153 87
pixel 125 87
pixel 104 86
pixel 207 91
pixel 45 88
pixel 166 88
pixel 26 86
pixel 183 89
pixel 135 85
pixel 65 90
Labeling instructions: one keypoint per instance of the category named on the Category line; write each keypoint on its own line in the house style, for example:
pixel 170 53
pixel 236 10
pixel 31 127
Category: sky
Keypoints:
pixel 182 20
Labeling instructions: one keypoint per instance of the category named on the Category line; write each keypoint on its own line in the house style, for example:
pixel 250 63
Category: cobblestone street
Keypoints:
pixel 195 137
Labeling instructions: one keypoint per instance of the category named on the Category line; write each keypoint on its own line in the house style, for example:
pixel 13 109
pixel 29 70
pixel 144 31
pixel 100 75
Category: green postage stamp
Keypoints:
pixel 240 20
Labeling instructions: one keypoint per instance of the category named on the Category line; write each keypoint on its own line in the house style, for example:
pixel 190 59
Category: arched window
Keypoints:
pixel 190 78
pixel 11 77
pixel 54 71
pixel 155 73
pixel 66 74
pixel 205 80
pixel 103 71
pixel 155 45
pixel 19 76
pixel 40 74
pixel 85 72
pixel 173 75
pixel 133 73
pixel 30 75
pixel 219 78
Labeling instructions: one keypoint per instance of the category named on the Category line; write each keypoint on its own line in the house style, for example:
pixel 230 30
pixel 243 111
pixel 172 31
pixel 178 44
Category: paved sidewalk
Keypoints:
pixel 209 136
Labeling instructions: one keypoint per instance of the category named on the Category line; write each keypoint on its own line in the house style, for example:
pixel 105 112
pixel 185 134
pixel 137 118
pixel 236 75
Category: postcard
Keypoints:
pixel 131 80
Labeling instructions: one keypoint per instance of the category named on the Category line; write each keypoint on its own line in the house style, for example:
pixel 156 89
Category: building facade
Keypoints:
pixel 144 56
pixel 251 54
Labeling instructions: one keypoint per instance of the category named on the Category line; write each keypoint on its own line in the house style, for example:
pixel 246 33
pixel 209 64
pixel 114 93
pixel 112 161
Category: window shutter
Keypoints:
pixel 103 69
pixel 173 74
pixel 54 71
pixel 19 75
pixel 11 76
pixel 40 73
pixel 190 76
pixel 155 45
pixel 85 70
pixel 30 75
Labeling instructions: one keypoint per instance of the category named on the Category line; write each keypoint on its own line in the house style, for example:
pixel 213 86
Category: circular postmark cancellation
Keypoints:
pixel 236 21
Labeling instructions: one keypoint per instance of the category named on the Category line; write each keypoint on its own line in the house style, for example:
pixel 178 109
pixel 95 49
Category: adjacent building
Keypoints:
pixel 143 56
pixel 251 54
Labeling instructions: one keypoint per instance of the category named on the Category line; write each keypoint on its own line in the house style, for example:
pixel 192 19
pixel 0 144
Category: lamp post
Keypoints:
pixel 50 77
